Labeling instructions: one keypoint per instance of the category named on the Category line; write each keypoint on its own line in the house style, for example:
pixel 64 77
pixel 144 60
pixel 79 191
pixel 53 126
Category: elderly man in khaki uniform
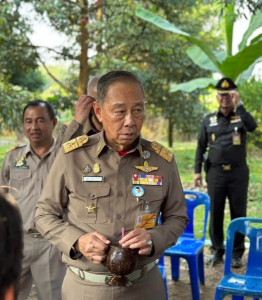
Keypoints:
pixel 90 198
pixel 24 170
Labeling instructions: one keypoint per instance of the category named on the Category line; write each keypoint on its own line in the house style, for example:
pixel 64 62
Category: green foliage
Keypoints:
pixel 13 99
pixel 118 39
pixel 251 93
pixel 32 80
pixel 203 55
pixel 16 53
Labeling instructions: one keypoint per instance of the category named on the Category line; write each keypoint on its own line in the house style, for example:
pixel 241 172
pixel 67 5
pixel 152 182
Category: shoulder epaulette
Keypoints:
pixel 12 148
pixel 162 151
pixel 75 143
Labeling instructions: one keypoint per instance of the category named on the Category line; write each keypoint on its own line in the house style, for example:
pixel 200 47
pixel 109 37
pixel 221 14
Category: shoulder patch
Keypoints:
pixel 75 143
pixel 162 151
pixel 12 148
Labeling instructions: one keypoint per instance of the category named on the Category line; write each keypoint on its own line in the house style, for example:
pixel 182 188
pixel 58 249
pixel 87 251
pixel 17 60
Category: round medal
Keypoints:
pixel 138 191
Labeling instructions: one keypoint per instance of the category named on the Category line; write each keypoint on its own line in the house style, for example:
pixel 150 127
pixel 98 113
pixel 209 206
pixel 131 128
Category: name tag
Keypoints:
pixel 92 178
pixel 146 221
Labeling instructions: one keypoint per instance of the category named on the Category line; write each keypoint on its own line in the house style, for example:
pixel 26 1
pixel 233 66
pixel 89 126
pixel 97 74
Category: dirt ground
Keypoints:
pixel 181 290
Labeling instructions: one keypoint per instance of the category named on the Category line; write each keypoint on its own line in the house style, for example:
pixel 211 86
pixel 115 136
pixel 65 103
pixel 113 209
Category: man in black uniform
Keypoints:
pixel 223 136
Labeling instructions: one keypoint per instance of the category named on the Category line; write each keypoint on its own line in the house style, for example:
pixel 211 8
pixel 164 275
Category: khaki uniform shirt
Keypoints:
pixel 26 173
pixel 67 194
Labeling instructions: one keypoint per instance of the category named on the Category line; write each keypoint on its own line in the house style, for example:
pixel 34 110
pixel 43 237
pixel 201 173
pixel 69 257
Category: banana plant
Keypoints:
pixel 238 67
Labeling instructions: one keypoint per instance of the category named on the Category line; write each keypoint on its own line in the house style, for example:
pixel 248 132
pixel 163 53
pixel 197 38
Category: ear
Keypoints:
pixel 98 110
pixel 54 122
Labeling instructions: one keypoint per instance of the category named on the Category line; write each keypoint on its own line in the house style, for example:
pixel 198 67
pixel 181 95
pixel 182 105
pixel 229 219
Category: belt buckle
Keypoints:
pixel 226 167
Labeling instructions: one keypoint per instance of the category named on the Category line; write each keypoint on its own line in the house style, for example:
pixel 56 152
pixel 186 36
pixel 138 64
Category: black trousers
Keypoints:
pixel 233 185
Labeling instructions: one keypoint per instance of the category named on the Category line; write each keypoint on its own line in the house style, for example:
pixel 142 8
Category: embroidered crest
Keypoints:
pixel 21 163
pixel 225 84
pixel 162 151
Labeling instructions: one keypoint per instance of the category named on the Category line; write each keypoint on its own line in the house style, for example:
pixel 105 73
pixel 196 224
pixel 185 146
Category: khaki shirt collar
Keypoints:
pixel 28 148
pixel 102 145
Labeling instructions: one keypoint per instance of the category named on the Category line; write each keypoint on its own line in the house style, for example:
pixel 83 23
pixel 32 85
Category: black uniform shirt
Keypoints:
pixel 216 134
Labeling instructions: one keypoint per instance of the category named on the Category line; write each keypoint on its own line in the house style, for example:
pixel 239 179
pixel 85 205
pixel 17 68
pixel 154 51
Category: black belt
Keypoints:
pixel 227 167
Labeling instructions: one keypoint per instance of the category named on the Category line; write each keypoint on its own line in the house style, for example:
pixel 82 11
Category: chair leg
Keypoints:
pixel 166 288
pixel 219 295
pixel 175 264
pixel 201 268
pixel 234 297
pixel 193 272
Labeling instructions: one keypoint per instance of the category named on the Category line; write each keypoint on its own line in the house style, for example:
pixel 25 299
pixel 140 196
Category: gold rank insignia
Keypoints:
pixel 75 143
pixel 146 168
pixel 162 151
pixel 213 137
pixel 96 168
pixel 91 209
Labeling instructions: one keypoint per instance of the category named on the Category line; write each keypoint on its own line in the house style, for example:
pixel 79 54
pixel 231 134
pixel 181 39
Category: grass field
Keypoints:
pixel 184 155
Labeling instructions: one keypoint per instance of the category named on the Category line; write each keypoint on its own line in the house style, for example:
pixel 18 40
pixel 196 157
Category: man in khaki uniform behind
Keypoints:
pixel 90 198
pixel 24 170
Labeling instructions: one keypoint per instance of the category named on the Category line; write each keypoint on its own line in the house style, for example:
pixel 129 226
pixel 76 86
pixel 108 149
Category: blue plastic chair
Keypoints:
pixel 188 246
pixel 161 266
pixel 249 284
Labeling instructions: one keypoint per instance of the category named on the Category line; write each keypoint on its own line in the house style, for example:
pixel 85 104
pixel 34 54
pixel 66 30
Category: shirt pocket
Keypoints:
pixel 19 180
pixel 153 196
pixel 93 204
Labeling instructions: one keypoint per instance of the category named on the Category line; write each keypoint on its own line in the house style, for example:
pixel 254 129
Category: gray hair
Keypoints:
pixel 92 85
pixel 112 77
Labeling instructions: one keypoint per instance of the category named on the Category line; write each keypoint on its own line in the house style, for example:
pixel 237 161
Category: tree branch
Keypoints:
pixel 52 76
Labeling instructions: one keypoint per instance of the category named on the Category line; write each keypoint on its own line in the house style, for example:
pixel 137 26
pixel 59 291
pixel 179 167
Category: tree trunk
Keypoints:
pixel 170 132
pixel 84 67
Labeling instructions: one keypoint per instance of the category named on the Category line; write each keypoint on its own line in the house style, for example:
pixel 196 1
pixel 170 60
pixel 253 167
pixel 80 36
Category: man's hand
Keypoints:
pixel 137 239
pixel 83 108
pixel 93 246
pixel 235 97
pixel 198 179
